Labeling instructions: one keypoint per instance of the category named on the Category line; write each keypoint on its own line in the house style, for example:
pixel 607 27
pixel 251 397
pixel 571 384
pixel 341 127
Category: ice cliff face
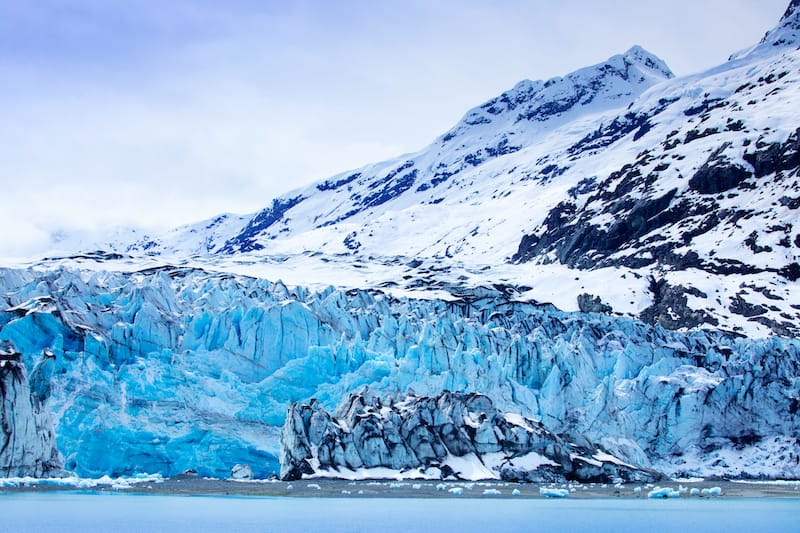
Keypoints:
pixel 454 435
pixel 178 368
pixel 27 440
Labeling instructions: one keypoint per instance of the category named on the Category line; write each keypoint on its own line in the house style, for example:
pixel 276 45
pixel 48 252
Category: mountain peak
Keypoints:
pixel 611 83
pixel 785 34
pixel 635 67
pixel 792 13
pixel 641 57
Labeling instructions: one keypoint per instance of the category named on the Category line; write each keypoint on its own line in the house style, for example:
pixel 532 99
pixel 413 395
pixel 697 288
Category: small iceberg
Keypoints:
pixel 553 493
pixel 663 493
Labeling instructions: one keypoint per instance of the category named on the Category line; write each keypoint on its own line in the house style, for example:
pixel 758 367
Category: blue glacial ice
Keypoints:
pixel 173 369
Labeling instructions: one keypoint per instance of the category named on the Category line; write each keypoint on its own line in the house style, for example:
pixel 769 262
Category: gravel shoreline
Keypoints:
pixel 330 488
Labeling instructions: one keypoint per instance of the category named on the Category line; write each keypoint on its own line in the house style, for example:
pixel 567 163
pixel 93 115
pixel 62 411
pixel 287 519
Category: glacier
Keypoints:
pixel 169 369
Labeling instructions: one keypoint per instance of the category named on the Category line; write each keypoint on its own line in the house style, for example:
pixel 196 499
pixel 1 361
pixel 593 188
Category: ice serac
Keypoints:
pixel 27 439
pixel 453 435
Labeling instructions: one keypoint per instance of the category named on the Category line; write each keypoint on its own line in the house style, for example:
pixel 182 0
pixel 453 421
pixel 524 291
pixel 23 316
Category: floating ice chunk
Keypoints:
pixel 456 490
pixel 553 493
pixel 694 492
pixel 416 486
pixel 663 492
pixel 491 492
pixel 715 491
pixel 637 490
pixel 312 486
pixel 515 492
pixel 241 472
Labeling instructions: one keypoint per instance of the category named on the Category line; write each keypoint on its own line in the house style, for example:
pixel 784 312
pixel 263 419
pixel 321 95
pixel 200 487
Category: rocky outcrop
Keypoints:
pixel 453 435
pixel 592 304
pixel 670 307
pixel 27 439
pixel 718 175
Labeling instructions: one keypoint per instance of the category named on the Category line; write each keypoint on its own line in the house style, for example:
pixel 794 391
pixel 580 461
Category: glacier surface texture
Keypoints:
pixel 174 369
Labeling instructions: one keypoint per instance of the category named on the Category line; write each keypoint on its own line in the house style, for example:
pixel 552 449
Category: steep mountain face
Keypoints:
pixel 679 194
pixel 178 368
pixel 454 435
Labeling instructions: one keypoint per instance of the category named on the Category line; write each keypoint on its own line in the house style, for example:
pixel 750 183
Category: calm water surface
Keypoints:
pixel 71 512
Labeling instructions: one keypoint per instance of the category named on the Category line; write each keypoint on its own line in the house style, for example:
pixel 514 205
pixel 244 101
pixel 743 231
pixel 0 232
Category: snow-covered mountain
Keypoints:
pixel 671 199
pixel 611 253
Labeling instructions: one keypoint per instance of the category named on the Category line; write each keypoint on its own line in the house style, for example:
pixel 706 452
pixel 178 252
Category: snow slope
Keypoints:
pixel 671 199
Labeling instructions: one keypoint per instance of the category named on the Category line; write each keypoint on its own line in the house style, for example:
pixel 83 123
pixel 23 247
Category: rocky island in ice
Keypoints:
pixel 453 435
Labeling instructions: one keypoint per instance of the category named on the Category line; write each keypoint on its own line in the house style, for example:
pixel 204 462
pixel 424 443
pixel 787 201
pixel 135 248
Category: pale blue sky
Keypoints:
pixel 156 113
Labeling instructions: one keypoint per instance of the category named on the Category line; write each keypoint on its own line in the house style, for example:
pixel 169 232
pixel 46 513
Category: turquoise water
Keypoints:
pixel 71 512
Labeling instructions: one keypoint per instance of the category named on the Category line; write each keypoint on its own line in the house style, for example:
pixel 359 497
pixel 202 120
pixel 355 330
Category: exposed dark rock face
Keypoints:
pixel 776 157
pixel 631 219
pixel 592 304
pixel 718 175
pixel 669 308
pixel 437 437
pixel 741 307
pixel 246 240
